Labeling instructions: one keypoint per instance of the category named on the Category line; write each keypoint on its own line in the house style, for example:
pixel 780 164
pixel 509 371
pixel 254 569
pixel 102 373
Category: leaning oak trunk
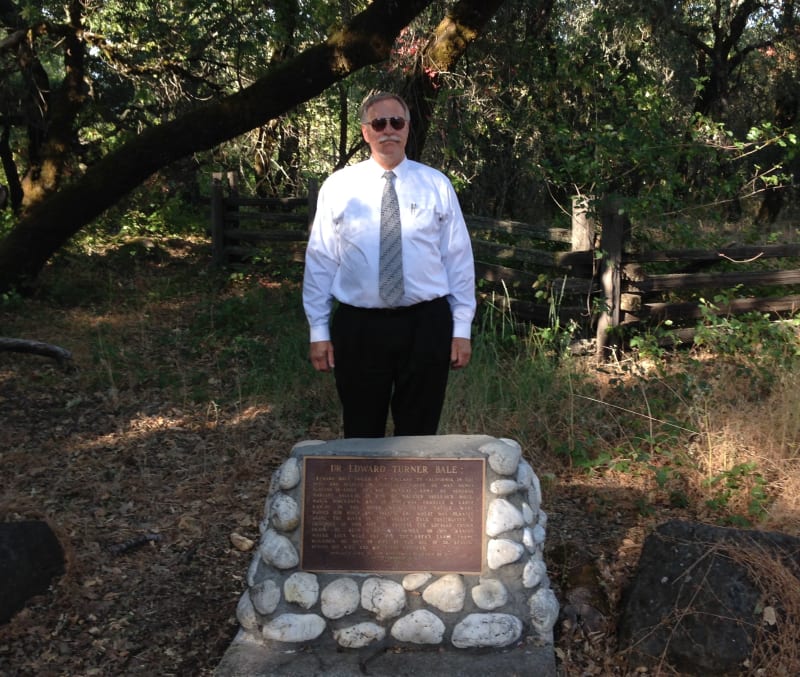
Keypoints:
pixel 367 39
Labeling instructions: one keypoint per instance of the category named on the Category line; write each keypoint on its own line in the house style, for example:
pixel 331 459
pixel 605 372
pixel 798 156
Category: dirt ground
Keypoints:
pixel 145 493
pixel 107 475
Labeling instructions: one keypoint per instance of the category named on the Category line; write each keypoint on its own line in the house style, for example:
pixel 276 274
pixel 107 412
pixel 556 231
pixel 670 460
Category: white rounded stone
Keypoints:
pixel 489 594
pixel 266 596
pixel 359 635
pixel 544 613
pixel 384 598
pixel 301 588
pixel 415 581
pixel 308 443
pixel 289 476
pixel 246 613
pixel 542 521
pixel 527 539
pixel 502 516
pixel 294 628
pixel 340 598
pixel 525 474
pixel 484 630
pixel 501 551
pixel 278 550
pixel 284 513
pixel 512 443
pixel 503 457
pixel 535 494
pixel 539 534
pixel 503 487
pixel 527 514
pixel 419 627
pixel 252 570
pixel 446 594
pixel 533 573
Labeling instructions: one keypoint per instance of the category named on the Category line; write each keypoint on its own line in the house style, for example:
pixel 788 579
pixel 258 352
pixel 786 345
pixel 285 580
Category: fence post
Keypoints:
pixel 613 222
pixel 583 225
pixel 219 213
pixel 218 257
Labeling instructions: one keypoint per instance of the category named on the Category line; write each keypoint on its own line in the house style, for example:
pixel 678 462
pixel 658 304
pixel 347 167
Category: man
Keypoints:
pixel 394 335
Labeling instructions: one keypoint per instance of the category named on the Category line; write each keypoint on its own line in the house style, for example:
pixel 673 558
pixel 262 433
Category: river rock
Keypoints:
pixel 502 516
pixel 487 630
pixel 544 612
pixel 266 596
pixel 246 613
pixel 503 457
pixel 419 627
pixel 278 550
pixel 502 551
pixel 503 487
pixel 302 589
pixel 415 581
pixel 527 539
pixel 294 628
pixel 359 635
pixel 535 494
pixel 289 476
pixel 534 572
pixel 284 513
pixel 340 598
pixel 525 475
pixel 446 594
pixel 489 594
pixel 384 598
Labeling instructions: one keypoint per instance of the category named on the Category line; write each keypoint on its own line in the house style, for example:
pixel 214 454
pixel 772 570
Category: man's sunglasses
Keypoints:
pixel 379 124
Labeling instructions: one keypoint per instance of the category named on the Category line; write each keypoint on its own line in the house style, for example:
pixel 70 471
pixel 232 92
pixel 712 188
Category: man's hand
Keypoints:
pixel 460 352
pixel 321 354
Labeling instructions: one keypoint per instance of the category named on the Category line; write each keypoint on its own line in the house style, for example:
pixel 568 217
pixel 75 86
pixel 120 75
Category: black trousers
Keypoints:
pixel 395 359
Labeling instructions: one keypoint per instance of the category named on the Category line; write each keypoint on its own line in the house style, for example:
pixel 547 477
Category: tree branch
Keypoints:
pixel 13 345
pixel 46 226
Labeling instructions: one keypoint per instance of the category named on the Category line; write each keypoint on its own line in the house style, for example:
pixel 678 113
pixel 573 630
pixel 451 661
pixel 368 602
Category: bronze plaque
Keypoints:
pixel 386 515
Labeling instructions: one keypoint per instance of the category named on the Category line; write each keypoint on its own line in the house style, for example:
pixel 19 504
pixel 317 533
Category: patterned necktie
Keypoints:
pixel 390 283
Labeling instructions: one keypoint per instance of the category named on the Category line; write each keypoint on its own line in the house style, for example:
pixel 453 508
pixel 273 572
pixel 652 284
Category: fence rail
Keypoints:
pixel 584 274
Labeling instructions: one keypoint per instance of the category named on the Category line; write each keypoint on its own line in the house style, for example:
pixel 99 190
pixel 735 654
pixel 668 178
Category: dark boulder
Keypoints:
pixel 30 557
pixel 697 600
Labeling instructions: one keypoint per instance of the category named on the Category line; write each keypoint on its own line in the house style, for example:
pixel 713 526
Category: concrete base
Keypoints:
pixel 247 659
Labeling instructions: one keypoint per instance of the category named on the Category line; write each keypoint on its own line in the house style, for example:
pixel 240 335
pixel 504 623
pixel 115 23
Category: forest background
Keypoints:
pixel 192 383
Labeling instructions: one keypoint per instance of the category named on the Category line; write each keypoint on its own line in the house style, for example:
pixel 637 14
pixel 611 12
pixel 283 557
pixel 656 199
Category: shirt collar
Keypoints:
pixel 399 170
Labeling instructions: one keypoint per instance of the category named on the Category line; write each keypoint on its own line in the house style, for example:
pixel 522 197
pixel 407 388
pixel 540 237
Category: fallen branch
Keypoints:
pixel 35 348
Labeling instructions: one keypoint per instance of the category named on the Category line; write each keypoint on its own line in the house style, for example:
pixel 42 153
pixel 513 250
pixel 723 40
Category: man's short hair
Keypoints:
pixel 372 99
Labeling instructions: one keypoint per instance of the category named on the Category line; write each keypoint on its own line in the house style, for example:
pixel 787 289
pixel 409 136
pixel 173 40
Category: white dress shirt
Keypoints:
pixel 343 247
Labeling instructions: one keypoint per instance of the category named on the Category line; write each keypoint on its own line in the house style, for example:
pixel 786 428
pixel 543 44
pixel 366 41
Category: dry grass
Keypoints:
pixel 777 642
pixel 191 389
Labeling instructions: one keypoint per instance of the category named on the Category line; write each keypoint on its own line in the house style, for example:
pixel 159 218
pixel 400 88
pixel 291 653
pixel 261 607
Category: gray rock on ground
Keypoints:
pixel 693 603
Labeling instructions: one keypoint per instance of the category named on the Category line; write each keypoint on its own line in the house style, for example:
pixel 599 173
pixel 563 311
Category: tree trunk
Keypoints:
pixel 367 39
pixel 462 25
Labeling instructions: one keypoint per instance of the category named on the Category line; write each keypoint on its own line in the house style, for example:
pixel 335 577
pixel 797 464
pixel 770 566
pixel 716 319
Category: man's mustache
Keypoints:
pixel 389 137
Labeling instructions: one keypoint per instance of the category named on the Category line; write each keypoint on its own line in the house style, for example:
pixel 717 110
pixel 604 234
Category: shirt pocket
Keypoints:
pixel 425 218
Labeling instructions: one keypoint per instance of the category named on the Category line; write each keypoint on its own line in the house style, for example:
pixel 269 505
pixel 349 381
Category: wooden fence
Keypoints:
pixel 582 276
pixel 242 227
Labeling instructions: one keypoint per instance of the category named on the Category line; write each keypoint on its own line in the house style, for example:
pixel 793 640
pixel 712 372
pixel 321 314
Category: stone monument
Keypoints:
pixel 400 555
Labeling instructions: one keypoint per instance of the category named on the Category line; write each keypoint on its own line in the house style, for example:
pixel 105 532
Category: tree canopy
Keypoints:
pixel 672 105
